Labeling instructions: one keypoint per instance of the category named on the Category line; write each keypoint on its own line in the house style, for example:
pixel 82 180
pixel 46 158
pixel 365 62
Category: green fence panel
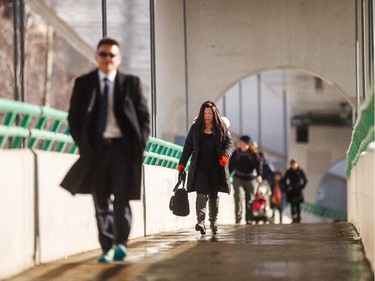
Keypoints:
pixel 363 134
pixel 61 146
pixel 73 149
pixel 17 141
pixel 47 129
pixel 322 211
pixel 10 118
pixel 54 114
pixel 14 131
pixel 55 128
pixel 42 121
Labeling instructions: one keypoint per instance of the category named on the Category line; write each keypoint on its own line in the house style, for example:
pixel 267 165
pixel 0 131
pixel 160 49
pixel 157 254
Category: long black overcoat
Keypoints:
pixel 224 146
pixel 132 115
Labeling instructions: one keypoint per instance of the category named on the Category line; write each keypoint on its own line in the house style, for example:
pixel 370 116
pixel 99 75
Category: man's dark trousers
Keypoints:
pixel 110 175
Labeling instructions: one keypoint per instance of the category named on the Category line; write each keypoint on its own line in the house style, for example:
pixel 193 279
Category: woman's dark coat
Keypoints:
pixel 224 146
pixel 131 111
pixel 297 181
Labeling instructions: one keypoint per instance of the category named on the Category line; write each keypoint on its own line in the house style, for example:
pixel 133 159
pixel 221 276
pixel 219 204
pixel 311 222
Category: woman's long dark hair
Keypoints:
pixel 216 117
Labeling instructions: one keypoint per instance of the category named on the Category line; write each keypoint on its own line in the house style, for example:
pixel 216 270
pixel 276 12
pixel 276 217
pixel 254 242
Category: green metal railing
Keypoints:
pixel 322 211
pixel 363 134
pixel 29 126
pixel 26 125
pixel 162 153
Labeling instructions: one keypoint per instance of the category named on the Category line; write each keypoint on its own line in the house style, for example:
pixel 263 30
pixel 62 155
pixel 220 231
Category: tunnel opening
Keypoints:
pixel 294 114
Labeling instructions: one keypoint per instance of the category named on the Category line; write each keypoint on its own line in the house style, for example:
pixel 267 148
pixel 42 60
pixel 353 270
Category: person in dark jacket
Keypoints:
pixel 295 180
pixel 209 144
pixel 109 121
pixel 246 165
pixel 268 171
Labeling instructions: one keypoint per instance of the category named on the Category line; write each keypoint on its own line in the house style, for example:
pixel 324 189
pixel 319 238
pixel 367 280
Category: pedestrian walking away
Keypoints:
pixel 109 121
pixel 296 181
pixel 268 171
pixel 278 195
pixel 246 165
pixel 209 144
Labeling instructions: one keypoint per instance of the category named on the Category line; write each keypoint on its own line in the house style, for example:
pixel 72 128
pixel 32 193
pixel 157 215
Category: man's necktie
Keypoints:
pixel 103 110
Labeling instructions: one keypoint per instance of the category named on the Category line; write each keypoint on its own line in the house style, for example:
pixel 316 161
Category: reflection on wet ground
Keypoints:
pixel 255 252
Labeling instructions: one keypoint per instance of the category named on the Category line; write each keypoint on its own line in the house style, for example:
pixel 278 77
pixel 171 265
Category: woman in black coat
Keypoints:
pixel 296 181
pixel 210 145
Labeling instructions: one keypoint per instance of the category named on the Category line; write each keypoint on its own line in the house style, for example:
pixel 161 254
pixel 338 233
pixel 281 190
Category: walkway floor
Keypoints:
pixel 264 252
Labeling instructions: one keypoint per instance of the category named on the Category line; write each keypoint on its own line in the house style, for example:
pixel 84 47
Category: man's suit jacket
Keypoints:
pixel 132 115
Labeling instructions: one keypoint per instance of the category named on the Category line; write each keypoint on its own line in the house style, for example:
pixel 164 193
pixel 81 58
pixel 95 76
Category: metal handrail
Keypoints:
pixel 363 134
pixel 35 127
pixel 17 131
pixel 322 211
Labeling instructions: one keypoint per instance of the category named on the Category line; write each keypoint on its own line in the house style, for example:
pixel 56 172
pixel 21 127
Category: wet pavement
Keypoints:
pixel 255 252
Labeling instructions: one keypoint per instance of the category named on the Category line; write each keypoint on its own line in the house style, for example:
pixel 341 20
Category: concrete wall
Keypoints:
pixel 16 211
pixel 230 40
pixel 327 145
pixel 41 222
pixel 361 186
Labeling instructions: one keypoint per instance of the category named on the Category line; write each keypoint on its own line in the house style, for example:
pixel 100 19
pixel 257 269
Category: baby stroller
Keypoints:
pixel 262 210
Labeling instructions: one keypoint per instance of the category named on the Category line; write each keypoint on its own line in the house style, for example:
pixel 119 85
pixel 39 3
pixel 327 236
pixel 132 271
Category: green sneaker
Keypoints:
pixel 120 253
pixel 108 256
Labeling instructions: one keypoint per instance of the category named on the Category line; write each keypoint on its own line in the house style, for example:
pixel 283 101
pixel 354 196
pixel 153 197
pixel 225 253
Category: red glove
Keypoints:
pixel 224 160
pixel 180 167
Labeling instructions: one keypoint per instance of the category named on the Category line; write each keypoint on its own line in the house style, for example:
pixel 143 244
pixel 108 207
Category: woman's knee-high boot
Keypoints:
pixel 200 206
pixel 213 211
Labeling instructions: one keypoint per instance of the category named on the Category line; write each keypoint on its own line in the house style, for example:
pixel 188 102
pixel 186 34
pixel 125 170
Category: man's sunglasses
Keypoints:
pixel 104 55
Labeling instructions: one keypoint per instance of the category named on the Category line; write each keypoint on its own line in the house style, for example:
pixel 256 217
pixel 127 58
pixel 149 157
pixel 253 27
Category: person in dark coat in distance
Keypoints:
pixel 209 144
pixel 109 121
pixel 246 165
pixel 295 180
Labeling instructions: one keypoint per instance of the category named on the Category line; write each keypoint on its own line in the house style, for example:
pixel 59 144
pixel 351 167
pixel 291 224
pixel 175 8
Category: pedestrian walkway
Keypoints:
pixel 255 252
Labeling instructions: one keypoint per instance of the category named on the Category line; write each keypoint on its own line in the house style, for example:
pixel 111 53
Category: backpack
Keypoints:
pixel 251 156
pixel 277 196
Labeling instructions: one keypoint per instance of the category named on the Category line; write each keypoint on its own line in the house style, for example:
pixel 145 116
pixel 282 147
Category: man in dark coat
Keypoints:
pixel 109 121
pixel 246 165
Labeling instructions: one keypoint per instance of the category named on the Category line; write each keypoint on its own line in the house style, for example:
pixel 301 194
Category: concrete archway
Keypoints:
pixel 203 47
pixel 284 93
pixel 338 89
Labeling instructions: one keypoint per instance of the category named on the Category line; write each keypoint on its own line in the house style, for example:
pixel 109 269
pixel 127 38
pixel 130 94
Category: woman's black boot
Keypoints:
pixel 200 206
pixel 213 204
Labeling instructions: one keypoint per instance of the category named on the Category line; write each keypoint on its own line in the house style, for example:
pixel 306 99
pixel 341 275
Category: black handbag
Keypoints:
pixel 179 202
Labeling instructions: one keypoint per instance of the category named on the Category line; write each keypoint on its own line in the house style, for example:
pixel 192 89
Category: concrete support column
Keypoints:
pixel 170 68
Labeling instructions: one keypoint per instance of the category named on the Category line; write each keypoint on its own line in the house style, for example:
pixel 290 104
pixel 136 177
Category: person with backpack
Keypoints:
pixel 278 199
pixel 296 181
pixel 246 165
